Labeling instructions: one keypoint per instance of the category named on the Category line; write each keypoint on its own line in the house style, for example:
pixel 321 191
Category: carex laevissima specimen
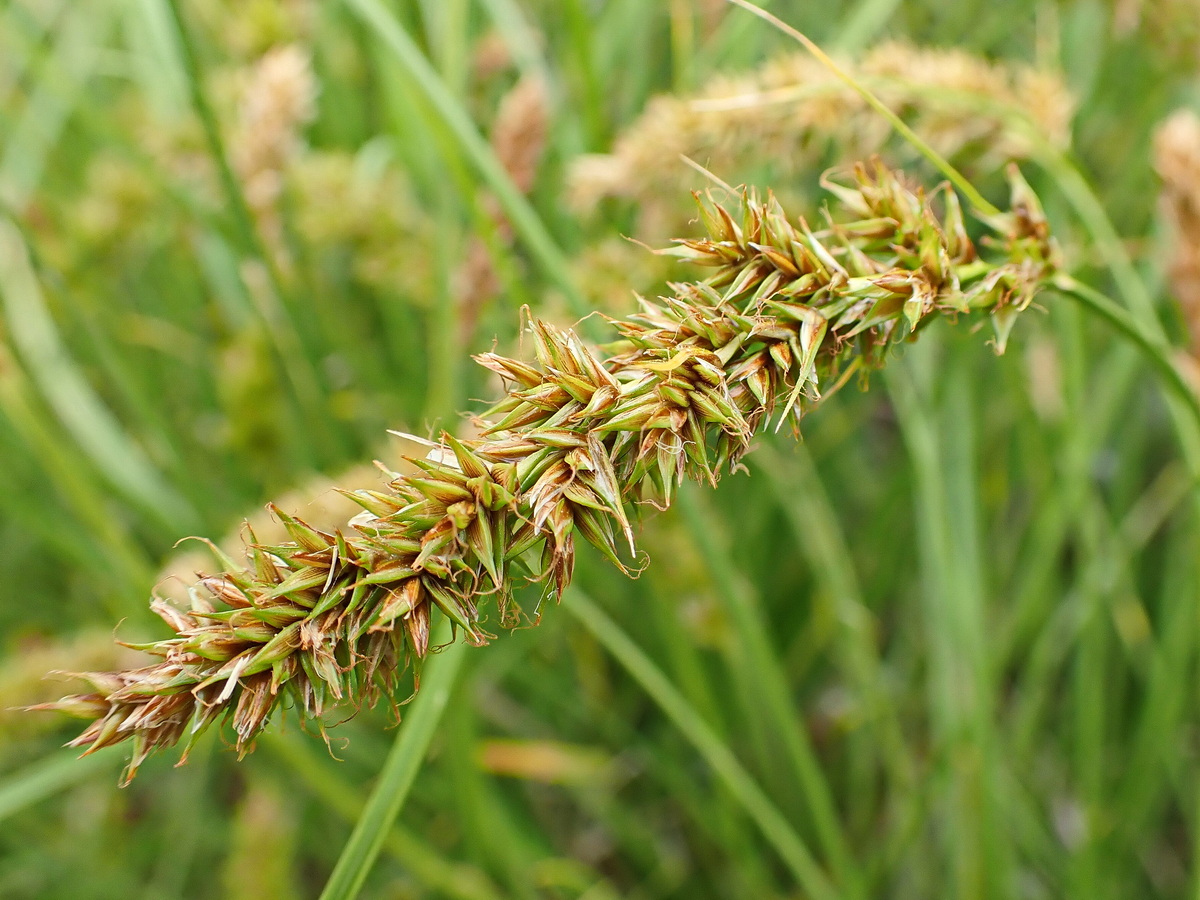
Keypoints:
pixel 333 619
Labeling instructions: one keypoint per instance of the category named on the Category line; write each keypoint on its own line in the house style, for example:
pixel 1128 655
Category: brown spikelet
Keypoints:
pixel 321 501
pixel 519 132
pixel 580 441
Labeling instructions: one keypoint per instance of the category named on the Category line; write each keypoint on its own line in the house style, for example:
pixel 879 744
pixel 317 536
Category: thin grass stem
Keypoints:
pixel 775 828
pixel 940 162
pixel 517 208
pixel 765 677
pixel 325 783
pixel 1155 349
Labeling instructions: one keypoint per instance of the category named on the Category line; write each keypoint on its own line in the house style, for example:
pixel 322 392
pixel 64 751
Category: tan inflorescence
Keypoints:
pixel 1177 160
pixel 332 618
pixel 279 100
pixel 793 109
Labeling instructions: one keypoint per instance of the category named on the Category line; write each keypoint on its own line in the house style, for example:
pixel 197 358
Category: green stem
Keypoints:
pixel 305 382
pixel 516 207
pixel 243 221
pixel 775 828
pixel 322 779
pixel 940 162
pixel 399 770
pixel 1075 188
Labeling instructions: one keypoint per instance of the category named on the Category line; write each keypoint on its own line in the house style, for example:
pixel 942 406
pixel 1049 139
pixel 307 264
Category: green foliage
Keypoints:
pixel 944 646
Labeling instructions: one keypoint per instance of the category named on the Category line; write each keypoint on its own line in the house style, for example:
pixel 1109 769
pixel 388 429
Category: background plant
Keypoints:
pixel 977 584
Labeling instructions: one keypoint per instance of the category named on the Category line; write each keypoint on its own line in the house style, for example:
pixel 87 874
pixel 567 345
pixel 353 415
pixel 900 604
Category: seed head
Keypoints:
pixel 333 618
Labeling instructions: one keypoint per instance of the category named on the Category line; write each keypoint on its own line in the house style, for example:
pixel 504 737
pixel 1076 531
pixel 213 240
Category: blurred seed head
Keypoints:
pixel 1177 161
pixel 354 211
pixel 279 100
pixel 518 137
pixel 794 111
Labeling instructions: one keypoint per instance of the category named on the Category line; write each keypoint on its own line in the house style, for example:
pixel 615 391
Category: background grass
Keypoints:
pixel 950 638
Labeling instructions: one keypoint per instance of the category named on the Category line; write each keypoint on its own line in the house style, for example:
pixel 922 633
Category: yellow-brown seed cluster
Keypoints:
pixel 335 618
pixel 793 111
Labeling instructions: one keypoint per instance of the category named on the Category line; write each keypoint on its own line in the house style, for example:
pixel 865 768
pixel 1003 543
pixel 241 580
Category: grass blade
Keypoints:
pixel 716 753
pixel 757 664
pixel 80 410
pixel 399 771
pixel 47 777
pixel 517 208
pixel 1155 349
pixel 421 860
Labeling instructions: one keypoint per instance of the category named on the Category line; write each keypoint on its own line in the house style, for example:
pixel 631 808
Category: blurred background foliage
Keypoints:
pixel 952 633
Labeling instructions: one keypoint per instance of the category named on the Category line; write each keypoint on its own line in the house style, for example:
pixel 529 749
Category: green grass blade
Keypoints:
pixel 181 41
pixel 517 208
pixel 1153 346
pixel 400 769
pixel 866 20
pixel 819 536
pixel 322 779
pixel 83 495
pixel 47 777
pixel 960 688
pixel 716 753
pixel 60 86
pixel 519 36
pixel 81 411
pixel 758 665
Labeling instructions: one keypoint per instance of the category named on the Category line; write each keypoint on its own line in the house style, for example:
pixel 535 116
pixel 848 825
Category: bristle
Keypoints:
pixel 1177 160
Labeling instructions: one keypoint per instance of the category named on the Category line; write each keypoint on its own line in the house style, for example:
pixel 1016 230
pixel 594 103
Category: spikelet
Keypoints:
pixel 23 671
pixel 322 501
pixel 792 109
pixel 331 618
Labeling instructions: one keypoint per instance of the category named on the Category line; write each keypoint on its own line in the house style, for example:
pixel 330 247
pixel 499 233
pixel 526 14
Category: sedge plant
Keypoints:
pixel 582 439
pixel 918 822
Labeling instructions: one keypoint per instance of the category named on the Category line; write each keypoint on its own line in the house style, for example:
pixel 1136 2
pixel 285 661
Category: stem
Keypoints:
pixel 242 218
pixel 1156 350
pixel 516 207
pixel 758 664
pixel 295 363
pixel 940 162
pixel 322 780
pixel 399 770
pixel 775 828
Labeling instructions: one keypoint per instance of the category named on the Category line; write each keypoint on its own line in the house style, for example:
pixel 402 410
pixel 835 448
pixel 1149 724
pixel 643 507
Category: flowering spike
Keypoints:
pixel 577 441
